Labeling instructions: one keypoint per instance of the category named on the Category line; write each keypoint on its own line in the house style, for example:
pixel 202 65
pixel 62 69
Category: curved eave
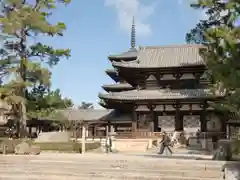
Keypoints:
pixel 112 74
pixel 117 87
pixel 112 105
pixel 130 55
pixel 124 58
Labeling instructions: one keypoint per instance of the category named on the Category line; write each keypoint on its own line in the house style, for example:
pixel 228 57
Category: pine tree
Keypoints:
pixel 86 105
pixel 220 33
pixel 22 55
pixel 43 103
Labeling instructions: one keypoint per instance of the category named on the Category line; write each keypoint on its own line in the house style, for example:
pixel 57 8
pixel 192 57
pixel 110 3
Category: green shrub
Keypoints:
pixel 236 147
pixel 155 143
pixel 92 146
pixel 66 146
pixel 75 147
pixel 10 144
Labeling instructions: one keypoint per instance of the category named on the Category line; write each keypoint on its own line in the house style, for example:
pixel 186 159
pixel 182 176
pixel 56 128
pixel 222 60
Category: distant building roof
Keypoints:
pixel 84 114
pixel 158 94
pixel 117 117
pixel 164 56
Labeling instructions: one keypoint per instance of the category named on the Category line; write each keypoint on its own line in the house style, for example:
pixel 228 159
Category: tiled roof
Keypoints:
pixel 114 116
pixel 82 114
pixel 118 86
pixel 164 56
pixel 131 54
pixel 157 94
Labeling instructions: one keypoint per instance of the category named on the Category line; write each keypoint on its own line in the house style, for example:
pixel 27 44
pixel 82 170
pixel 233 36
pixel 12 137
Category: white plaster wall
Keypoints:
pixel 3 118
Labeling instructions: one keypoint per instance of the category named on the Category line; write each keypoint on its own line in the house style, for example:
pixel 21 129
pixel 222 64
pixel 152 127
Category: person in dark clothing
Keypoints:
pixel 165 143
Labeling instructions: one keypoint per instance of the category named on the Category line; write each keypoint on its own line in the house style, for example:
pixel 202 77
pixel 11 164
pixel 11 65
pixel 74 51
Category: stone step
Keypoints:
pixel 148 163
pixel 151 163
pixel 88 169
pixel 115 166
pixel 105 166
pixel 107 172
pixel 120 156
pixel 54 177
pixel 84 169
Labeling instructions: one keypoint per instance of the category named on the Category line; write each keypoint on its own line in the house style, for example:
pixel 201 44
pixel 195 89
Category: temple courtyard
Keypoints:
pixel 61 166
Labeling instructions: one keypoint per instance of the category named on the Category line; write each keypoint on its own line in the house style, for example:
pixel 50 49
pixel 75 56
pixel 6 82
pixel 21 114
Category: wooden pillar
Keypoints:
pixel 115 127
pixel 30 131
pixel 134 121
pixel 228 132
pixel 83 138
pixel 224 126
pixel 93 130
pixel 203 117
pixel 178 118
pixel 87 131
pixel 155 122
pixel 107 128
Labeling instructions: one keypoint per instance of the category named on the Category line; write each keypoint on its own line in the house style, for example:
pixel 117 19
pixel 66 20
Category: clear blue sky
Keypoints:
pixel 96 28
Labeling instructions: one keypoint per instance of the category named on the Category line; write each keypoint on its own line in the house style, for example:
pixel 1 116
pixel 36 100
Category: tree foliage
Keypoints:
pixel 86 105
pixel 43 103
pixel 220 33
pixel 23 55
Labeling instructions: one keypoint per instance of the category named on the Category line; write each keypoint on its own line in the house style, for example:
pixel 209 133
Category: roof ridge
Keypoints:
pixel 172 46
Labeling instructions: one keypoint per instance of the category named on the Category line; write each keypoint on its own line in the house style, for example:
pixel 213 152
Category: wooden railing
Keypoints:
pixel 146 134
pixel 140 134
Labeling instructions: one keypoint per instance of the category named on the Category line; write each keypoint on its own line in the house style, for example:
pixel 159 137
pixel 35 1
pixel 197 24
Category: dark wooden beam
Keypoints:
pixel 134 121
pixel 203 117
pixel 178 117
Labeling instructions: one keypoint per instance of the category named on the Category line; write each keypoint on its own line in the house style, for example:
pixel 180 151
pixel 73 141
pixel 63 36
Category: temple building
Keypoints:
pixel 161 88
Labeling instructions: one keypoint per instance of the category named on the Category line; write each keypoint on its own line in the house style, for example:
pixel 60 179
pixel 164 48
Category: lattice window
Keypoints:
pixel 191 121
pixel 235 132
pixel 143 120
pixel 166 121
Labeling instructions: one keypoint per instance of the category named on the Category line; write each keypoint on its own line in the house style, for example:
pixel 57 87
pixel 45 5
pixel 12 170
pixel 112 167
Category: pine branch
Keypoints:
pixel 23 62
pixel 221 34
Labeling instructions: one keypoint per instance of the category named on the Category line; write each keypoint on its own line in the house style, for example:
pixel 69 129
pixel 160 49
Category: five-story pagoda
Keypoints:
pixel 162 88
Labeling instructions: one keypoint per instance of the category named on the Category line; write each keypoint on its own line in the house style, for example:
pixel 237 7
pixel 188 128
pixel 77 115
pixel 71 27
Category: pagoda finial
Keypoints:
pixel 133 34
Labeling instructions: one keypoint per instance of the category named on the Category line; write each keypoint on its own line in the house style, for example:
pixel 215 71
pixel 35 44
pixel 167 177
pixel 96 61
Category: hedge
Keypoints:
pixel 236 147
pixel 67 146
pixel 9 144
pixel 70 146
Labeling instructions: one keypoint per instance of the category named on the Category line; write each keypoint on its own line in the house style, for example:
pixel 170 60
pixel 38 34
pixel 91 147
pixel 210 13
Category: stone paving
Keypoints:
pixel 53 166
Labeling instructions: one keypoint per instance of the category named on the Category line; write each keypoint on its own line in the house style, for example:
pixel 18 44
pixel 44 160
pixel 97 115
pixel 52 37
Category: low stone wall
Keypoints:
pixel 53 137
pixel 232 171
